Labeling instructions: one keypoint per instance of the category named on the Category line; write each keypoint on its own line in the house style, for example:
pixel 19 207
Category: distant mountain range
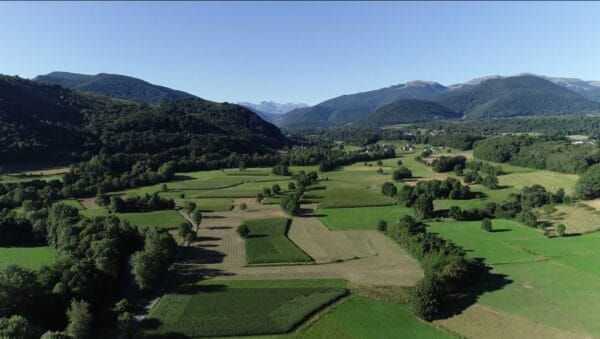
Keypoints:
pixel 114 85
pixel 269 110
pixel 485 97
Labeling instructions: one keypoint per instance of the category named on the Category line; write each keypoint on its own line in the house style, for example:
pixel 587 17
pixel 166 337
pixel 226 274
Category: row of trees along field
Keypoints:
pixel 71 295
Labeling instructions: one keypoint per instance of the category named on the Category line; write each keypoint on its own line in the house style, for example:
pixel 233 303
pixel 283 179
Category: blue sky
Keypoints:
pixel 299 52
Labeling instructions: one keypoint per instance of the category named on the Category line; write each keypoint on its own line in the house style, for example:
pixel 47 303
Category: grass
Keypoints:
pixel 268 243
pixel 577 219
pixel 367 318
pixel 493 247
pixel 167 219
pixel 215 183
pixel 16 178
pixel 336 194
pixel 238 307
pixel 214 204
pixel 28 257
pixel 553 281
pixel 361 218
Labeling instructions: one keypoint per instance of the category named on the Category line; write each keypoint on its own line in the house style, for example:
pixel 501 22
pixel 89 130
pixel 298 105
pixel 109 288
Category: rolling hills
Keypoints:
pixel 486 97
pixel 114 85
pixel 348 108
pixel 524 95
pixel 51 123
pixel 407 111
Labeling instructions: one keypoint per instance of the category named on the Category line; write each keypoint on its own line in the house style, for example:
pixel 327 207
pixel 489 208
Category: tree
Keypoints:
pixel 17 327
pixel 380 170
pixel 486 225
pixel 527 218
pixel 401 173
pixel 399 162
pixel 560 230
pixel 259 197
pixel 389 189
pixel 427 297
pixel 588 185
pixel 80 319
pixel 382 226
pixel 379 163
pixel 189 206
pixel 185 230
pixel 291 186
pixel 102 199
pixel 266 191
pixel 243 206
pixel 242 166
pixel 491 182
pixel 164 188
pixel 243 231
pixel 276 189
pixel 423 207
pixel 197 217
pixel 406 195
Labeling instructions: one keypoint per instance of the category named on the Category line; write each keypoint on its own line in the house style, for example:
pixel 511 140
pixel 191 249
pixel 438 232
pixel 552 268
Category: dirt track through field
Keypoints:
pixel 362 257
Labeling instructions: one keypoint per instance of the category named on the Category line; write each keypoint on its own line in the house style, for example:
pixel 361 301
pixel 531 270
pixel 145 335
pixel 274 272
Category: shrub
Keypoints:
pixel 527 218
pixel 380 170
pixel 427 297
pixel 382 226
pixel 243 206
pixel 486 225
pixel 399 162
pixel 401 173
pixel 560 230
pixel 423 207
pixel 243 231
pixel 259 197
pixel 276 189
pixel 389 189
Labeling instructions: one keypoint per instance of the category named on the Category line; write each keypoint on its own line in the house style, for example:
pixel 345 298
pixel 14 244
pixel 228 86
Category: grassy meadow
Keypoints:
pixel 367 318
pixel 29 257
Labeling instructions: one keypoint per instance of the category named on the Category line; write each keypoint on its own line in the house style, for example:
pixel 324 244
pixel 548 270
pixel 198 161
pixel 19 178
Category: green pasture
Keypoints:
pixel 361 218
pixel 268 243
pixel 28 257
pixel 553 281
pixel 335 194
pixel 367 318
pixel 241 307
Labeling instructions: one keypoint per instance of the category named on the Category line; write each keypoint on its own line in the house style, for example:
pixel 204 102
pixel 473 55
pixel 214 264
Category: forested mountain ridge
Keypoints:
pixel 488 96
pixel 114 85
pixel 49 122
pixel 348 108
pixel 524 95
pixel 407 111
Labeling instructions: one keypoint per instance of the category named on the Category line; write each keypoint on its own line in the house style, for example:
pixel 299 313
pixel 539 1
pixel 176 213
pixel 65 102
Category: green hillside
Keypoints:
pixel 114 85
pixel 348 108
pixel 517 96
pixel 52 123
pixel 407 111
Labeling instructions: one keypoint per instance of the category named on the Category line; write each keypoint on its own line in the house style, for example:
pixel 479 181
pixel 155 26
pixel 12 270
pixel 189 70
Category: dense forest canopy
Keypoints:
pixel 47 122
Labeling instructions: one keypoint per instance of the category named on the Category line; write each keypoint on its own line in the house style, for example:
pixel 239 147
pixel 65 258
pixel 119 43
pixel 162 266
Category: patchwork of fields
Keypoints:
pixel 291 268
